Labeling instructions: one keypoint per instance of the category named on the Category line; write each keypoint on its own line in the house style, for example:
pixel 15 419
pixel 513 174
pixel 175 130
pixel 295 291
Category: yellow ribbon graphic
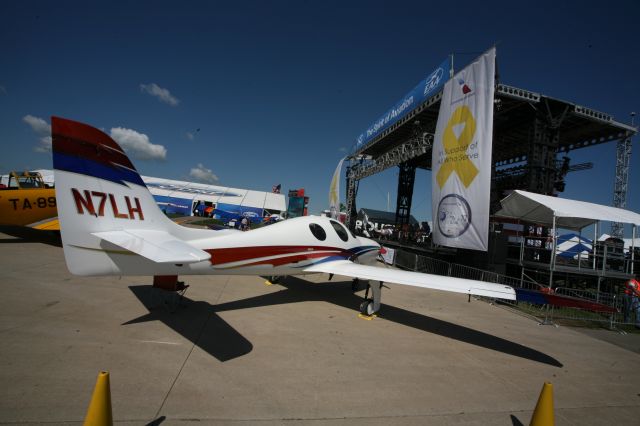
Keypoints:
pixel 455 148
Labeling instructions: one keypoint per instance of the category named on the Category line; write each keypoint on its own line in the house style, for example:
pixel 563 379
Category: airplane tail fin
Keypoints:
pixel 109 221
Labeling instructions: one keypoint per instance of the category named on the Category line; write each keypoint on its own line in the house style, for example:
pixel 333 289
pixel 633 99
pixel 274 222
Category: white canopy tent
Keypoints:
pixel 568 214
pixel 563 213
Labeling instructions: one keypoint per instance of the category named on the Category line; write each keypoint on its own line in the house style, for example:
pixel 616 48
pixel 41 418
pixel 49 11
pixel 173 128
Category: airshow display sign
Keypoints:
pixel 424 90
pixel 461 157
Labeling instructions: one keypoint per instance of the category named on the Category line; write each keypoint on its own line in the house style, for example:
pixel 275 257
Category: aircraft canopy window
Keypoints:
pixel 340 230
pixel 317 231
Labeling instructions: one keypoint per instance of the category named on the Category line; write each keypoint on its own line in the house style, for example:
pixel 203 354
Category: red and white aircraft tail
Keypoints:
pixel 111 225
pixel 105 207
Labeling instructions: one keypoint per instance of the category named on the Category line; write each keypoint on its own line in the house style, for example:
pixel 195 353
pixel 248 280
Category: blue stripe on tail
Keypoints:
pixel 115 173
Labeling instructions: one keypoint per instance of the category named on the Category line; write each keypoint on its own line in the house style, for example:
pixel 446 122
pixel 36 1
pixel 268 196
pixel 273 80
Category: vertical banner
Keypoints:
pixel 334 192
pixel 461 162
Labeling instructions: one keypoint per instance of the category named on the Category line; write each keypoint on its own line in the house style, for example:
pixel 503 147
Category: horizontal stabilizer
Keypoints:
pixel 416 279
pixel 159 246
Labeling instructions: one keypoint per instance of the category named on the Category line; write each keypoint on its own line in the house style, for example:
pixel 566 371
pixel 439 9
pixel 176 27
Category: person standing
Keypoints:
pixel 632 301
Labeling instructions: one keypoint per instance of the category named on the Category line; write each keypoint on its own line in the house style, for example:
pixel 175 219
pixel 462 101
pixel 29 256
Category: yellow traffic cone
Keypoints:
pixel 543 413
pixel 99 413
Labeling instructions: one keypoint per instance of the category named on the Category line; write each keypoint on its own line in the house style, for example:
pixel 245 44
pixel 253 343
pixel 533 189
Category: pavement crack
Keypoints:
pixel 193 346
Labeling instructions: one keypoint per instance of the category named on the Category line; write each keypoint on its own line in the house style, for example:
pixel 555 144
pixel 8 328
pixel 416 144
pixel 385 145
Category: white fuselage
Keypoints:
pixel 285 248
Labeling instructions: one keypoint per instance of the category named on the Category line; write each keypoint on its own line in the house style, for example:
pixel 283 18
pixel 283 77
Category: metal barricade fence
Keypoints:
pixel 613 314
pixel 406 260
pixel 618 313
pixel 432 266
pixel 603 310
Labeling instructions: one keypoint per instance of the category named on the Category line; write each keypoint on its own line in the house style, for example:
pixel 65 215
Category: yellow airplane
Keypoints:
pixel 25 200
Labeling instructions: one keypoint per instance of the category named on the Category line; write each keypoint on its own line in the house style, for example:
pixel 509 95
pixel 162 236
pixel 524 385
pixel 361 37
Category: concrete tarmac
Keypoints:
pixel 238 351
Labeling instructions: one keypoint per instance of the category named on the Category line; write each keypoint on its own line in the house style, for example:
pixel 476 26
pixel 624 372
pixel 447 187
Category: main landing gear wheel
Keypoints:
pixel 366 307
pixel 275 279
pixel 371 306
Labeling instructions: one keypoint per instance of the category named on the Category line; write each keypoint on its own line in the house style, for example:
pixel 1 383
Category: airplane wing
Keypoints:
pixel 51 224
pixel 416 279
pixel 159 246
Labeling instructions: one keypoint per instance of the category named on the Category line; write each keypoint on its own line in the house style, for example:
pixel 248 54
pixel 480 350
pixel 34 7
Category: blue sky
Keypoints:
pixel 259 93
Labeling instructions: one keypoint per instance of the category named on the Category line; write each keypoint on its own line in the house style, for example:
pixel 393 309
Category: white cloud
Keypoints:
pixel 37 124
pixel 201 174
pixel 162 94
pixel 189 136
pixel 342 149
pixel 3 90
pixel 43 129
pixel 44 145
pixel 138 145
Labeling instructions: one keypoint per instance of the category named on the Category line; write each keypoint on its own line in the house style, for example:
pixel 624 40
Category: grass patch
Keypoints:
pixel 207 221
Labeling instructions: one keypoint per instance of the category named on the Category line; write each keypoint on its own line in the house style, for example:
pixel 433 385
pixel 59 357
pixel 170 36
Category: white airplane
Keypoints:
pixel 111 225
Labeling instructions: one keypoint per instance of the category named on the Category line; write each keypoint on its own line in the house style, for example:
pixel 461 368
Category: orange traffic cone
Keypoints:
pixel 543 413
pixel 99 413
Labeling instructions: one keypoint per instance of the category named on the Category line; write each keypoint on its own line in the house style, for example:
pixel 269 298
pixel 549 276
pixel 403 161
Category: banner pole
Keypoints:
pixel 451 68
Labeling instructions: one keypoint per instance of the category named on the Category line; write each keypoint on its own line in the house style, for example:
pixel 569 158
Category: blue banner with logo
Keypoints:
pixel 423 91
pixel 173 205
pixel 227 212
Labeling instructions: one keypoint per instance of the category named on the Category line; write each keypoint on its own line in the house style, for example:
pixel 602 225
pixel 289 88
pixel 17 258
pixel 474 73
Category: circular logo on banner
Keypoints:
pixel 454 216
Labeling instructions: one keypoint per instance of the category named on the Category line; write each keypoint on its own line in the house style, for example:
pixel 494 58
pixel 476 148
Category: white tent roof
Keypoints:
pixel 570 214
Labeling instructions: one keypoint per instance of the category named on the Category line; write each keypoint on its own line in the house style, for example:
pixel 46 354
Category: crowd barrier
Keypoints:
pixel 569 304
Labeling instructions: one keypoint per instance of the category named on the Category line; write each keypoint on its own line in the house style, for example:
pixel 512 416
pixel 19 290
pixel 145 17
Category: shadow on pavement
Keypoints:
pixel 24 234
pixel 337 293
pixel 223 342
pixel 515 421
pixel 220 340
pixel 157 421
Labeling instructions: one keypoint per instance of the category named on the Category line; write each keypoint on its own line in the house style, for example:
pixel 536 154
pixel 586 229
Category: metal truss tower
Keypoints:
pixel 352 192
pixel 543 147
pixel 405 193
pixel 418 145
pixel 623 157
